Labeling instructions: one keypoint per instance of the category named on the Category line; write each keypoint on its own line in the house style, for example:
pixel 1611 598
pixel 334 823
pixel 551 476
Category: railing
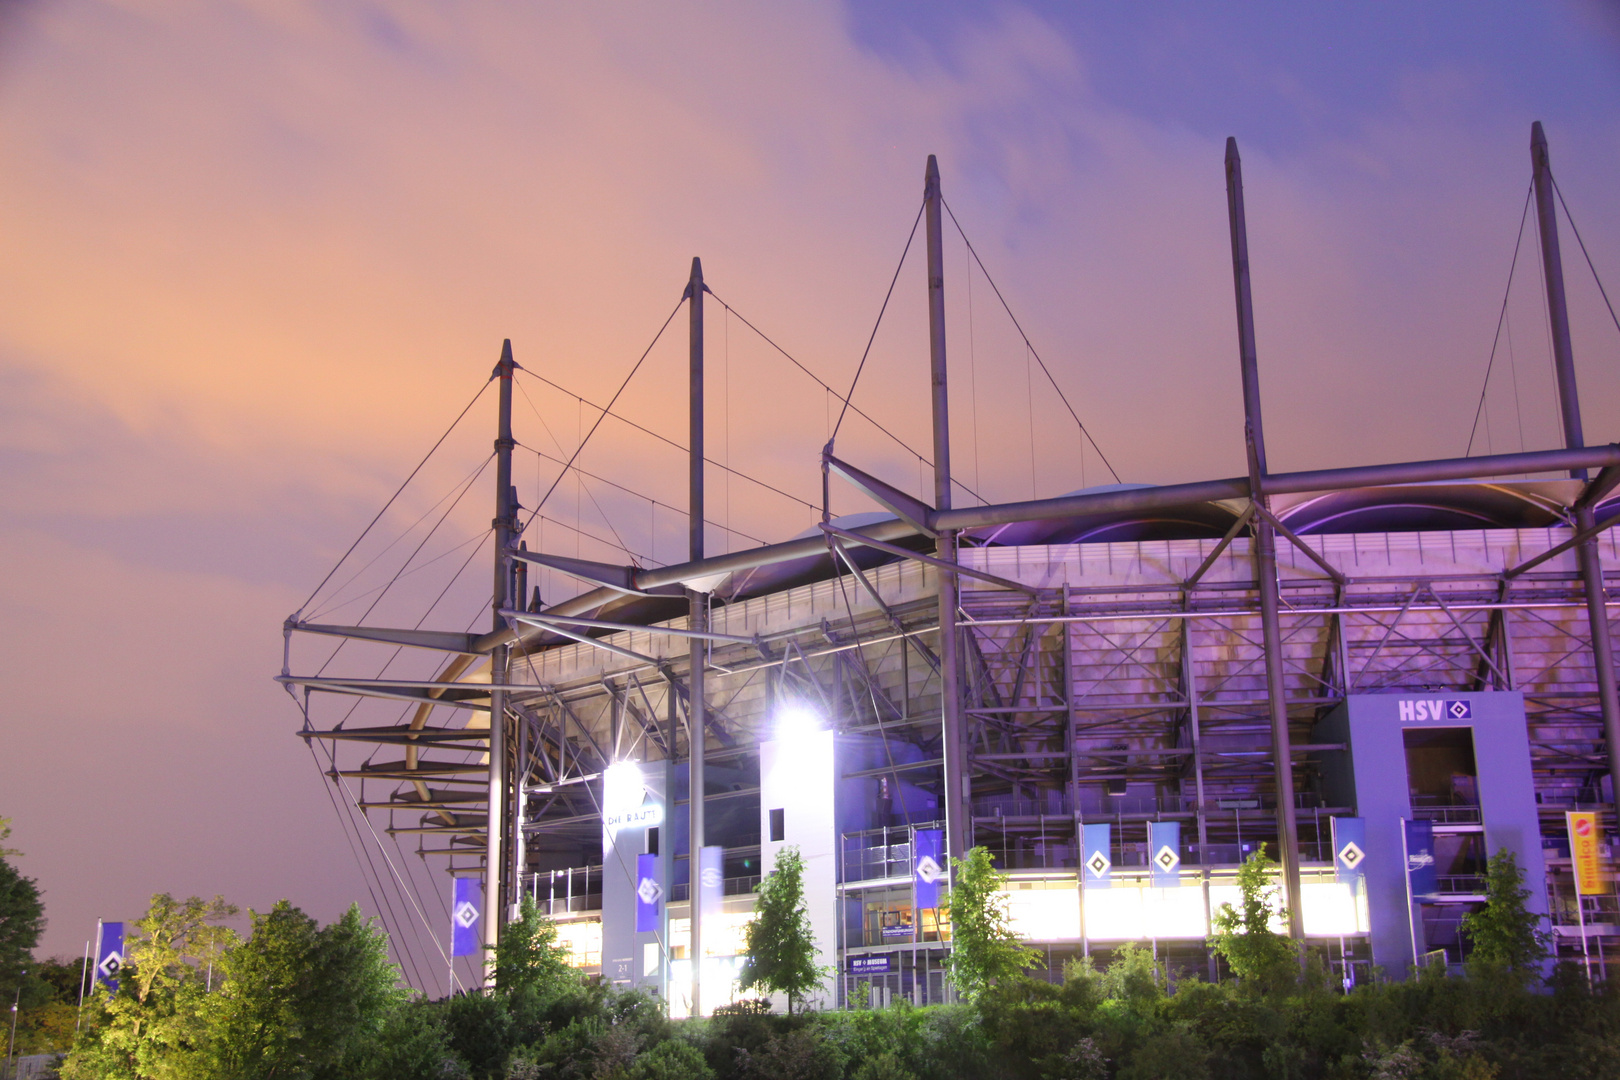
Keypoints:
pixel 1461 884
pixel 1447 815
pixel 731 886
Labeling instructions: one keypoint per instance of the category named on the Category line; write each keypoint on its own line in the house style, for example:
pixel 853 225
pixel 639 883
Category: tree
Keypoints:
pixel 1243 935
pixel 298 999
pixel 155 1026
pixel 984 947
pixel 781 948
pixel 22 920
pixel 1504 934
pixel 528 956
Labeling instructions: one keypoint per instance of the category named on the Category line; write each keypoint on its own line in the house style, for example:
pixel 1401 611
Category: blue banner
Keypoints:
pixel 466 912
pixel 928 869
pixel 1164 853
pixel 1349 850
pixel 649 894
pixel 1420 873
pixel 109 955
pixel 711 881
pixel 1096 868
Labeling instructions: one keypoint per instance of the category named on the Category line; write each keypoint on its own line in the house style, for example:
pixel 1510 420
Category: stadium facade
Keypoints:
pixel 1382 675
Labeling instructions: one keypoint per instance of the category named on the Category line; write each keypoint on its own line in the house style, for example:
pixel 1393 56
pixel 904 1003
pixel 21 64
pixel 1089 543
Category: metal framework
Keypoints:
pixel 1125 655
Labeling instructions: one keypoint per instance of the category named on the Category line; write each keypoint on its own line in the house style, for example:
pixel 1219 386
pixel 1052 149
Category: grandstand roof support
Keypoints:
pixel 1265 545
pixel 496 870
pixel 956 801
pixel 1569 402
pixel 697 621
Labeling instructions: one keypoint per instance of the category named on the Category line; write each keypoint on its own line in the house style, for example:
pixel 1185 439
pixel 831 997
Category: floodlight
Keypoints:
pixel 622 789
pixel 795 719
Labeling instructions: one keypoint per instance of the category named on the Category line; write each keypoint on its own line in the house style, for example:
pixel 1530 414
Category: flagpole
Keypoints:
pixel 1406 866
pixel 84 971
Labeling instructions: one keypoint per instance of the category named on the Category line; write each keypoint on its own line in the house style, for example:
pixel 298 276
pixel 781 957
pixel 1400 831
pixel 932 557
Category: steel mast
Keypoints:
pixel 1569 403
pixel 505 525
pixel 1265 544
pixel 698 622
pixel 956 778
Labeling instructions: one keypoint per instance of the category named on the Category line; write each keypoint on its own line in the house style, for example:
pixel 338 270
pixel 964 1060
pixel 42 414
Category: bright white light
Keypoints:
pixel 794 719
pixel 622 793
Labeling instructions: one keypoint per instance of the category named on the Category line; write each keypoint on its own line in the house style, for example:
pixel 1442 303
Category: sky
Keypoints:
pixel 256 257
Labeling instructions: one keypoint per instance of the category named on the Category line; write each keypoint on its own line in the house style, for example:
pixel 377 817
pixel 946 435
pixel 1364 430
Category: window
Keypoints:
pixel 778 825
pixel 652 840
pixel 1440 767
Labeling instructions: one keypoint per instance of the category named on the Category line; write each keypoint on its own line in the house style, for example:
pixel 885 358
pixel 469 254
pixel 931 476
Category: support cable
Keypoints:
pixel 1501 318
pixel 834 395
pixel 578 472
pixel 331 604
pixel 1030 345
pixel 637 494
pixel 385 910
pixel 873 337
pixel 666 439
pixel 1571 219
pixel 383 851
pixel 414 553
pixel 604 413
pixel 395 495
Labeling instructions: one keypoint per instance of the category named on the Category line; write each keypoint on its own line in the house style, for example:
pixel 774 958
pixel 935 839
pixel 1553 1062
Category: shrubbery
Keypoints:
pixel 299 1001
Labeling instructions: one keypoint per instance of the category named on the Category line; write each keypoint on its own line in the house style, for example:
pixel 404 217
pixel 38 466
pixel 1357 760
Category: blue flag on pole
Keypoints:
pixel 1164 853
pixel 928 867
pixel 109 955
pixel 466 912
pixel 1096 867
pixel 1349 850
pixel 649 894
pixel 1420 873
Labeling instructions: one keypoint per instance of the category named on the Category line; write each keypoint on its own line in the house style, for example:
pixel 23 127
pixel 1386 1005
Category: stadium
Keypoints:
pixel 1379 674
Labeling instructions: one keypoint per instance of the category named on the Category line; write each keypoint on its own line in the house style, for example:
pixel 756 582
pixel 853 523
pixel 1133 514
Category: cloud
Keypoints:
pixel 258 256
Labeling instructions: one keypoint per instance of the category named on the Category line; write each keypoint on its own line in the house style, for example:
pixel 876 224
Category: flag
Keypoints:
pixel 1583 851
pixel 711 881
pixel 466 911
pixel 1420 873
pixel 1164 853
pixel 1349 849
pixel 649 894
pixel 1096 866
pixel 109 954
pixel 928 867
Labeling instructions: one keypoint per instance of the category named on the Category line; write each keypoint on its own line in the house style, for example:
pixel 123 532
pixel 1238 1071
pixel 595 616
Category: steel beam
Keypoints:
pixel 1570 410
pixel 1265 550
pixel 957 782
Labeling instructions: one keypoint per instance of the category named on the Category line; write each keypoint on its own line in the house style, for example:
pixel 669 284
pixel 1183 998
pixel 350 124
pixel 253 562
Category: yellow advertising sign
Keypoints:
pixel 1583 851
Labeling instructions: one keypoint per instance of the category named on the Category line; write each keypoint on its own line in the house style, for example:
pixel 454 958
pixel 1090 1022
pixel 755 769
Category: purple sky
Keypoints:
pixel 255 256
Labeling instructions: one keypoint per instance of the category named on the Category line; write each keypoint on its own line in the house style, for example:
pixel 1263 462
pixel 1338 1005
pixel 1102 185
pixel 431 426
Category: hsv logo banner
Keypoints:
pixel 1096 866
pixel 109 955
pixel 1583 851
pixel 1164 852
pixel 1349 849
pixel 466 909
pixel 928 870
pixel 649 894
pixel 711 881
pixel 1420 710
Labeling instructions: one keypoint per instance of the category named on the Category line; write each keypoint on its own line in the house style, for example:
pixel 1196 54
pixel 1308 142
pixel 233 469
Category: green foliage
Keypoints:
pixel 984 947
pixel 155 1025
pixel 528 956
pixel 1243 935
pixel 299 1000
pixel 22 920
pixel 1504 934
pixel 781 947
